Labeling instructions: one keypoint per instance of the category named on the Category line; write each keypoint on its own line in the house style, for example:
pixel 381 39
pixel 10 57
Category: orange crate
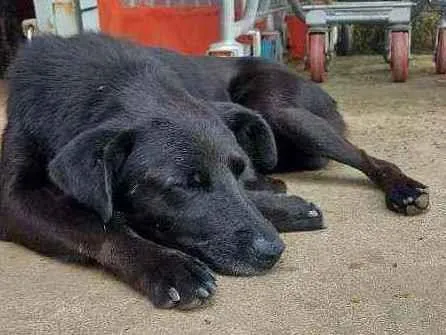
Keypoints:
pixel 186 29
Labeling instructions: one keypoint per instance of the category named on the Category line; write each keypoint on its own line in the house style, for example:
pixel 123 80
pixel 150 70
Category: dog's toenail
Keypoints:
pixel 211 287
pixel 203 293
pixel 313 213
pixel 174 295
pixel 423 190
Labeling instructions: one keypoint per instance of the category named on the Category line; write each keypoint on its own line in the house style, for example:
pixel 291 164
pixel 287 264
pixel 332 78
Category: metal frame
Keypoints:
pixel 396 15
pixel 68 17
pixel 231 29
pixel 65 17
pixel 388 12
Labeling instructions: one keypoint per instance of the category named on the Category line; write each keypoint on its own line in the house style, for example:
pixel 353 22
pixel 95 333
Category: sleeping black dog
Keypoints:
pixel 154 165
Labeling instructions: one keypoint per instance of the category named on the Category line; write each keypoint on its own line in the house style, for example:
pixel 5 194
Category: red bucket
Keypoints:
pixel 185 29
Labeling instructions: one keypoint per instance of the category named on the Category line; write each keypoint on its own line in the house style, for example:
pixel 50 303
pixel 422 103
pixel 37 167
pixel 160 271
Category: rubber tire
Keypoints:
pixel 399 56
pixel 440 56
pixel 317 57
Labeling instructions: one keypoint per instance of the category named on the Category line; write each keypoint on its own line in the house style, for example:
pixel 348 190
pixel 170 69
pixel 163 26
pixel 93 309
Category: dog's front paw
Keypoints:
pixel 408 199
pixel 403 194
pixel 295 214
pixel 178 281
pixel 288 213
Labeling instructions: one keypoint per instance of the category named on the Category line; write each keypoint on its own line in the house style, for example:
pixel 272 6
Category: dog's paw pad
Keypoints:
pixel 408 200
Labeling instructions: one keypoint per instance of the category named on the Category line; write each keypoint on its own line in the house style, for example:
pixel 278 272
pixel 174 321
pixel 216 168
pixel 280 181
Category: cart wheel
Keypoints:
pixel 399 55
pixel 317 57
pixel 440 55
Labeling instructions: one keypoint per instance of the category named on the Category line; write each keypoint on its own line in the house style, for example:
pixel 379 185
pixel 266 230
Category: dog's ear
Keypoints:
pixel 253 134
pixel 85 168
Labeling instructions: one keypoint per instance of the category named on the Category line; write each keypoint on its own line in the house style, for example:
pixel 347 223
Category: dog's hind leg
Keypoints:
pixel 314 136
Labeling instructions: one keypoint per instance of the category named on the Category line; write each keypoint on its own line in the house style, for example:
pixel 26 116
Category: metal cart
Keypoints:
pixel 322 21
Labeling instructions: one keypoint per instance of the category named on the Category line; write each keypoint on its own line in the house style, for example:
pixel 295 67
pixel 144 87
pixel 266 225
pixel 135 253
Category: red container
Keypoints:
pixel 297 32
pixel 186 29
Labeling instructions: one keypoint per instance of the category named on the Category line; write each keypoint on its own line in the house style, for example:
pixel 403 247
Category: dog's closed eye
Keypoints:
pixel 193 180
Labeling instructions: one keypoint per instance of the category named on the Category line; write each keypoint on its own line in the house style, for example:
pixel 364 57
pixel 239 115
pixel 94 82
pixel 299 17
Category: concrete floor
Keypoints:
pixel 370 272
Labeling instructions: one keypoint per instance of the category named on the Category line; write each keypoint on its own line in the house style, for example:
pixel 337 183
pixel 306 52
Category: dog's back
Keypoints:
pixel 90 88
pixel 45 74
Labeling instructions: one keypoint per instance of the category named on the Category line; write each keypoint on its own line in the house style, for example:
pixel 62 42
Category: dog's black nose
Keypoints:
pixel 268 252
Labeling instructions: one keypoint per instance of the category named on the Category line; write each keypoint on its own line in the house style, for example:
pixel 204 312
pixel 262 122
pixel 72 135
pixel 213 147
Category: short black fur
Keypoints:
pixel 153 164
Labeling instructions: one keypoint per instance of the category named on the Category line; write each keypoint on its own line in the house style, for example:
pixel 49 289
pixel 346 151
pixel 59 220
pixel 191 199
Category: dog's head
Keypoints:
pixel 176 181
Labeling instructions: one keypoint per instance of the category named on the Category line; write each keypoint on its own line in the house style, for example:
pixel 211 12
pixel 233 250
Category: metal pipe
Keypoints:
pixel 358 18
pixel 247 22
pixel 66 17
pixel 380 5
pixel 227 21
pixel 442 23
pixel 256 42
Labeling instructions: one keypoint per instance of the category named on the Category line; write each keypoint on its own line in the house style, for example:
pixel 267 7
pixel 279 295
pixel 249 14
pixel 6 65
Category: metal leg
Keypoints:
pixel 386 51
pixel 29 28
pixel 231 29
pixel 228 46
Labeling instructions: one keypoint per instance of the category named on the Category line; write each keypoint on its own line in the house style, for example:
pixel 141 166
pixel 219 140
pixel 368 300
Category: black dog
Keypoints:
pixel 144 161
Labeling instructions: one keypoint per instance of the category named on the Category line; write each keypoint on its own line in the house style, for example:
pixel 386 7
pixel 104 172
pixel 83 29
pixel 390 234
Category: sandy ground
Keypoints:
pixel 370 272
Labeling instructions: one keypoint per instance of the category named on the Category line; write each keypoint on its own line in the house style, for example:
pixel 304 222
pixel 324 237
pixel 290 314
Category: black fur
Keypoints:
pixel 144 161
